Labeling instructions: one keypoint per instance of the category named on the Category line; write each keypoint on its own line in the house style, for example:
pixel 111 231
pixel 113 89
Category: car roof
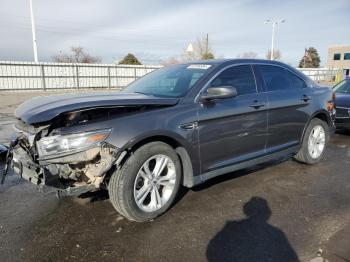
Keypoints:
pixel 227 62
pixel 234 61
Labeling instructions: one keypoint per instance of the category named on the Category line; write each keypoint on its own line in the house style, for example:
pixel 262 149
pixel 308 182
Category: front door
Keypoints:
pixel 234 129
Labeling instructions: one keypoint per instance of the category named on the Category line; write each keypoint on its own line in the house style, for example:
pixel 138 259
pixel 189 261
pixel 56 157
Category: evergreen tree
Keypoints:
pixel 311 59
pixel 207 56
pixel 130 59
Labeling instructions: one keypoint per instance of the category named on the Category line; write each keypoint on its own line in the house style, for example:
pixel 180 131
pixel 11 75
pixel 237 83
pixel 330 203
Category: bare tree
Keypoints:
pixel 248 55
pixel 201 49
pixel 170 61
pixel 276 54
pixel 76 55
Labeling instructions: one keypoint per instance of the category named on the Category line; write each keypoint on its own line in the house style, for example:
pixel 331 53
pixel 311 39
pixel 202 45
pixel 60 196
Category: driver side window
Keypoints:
pixel 240 77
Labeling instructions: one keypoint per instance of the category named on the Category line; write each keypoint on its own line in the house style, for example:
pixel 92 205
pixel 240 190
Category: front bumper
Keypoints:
pixel 42 177
pixel 342 123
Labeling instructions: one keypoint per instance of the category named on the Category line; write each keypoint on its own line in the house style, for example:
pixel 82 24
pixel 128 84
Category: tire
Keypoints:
pixel 304 155
pixel 132 179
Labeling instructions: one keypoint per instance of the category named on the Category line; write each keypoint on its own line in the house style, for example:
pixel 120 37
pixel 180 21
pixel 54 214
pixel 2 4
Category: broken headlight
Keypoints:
pixel 62 144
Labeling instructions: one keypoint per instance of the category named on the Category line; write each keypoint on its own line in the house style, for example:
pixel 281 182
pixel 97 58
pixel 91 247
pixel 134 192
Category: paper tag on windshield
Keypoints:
pixel 198 66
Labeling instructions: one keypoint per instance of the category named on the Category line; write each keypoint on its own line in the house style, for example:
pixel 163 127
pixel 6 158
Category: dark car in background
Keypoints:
pixel 342 103
pixel 178 126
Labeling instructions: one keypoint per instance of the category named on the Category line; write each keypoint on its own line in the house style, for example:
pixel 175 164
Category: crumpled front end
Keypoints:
pixel 68 164
pixel 65 146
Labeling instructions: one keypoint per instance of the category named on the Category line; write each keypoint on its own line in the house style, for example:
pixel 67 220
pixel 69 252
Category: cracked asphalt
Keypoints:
pixel 281 210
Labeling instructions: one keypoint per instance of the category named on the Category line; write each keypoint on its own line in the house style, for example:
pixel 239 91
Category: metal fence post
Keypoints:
pixel 109 77
pixel 116 77
pixel 135 77
pixel 77 75
pixel 43 77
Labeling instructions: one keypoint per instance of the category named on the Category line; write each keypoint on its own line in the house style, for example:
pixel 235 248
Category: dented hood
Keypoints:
pixel 45 108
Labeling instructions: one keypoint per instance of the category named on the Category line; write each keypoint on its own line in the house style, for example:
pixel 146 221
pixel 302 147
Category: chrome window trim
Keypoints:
pixel 196 99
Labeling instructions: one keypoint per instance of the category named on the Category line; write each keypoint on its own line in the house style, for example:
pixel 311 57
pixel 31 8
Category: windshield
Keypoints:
pixel 172 81
pixel 343 87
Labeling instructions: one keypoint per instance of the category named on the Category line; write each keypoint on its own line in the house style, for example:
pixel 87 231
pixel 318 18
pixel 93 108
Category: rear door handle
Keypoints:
pixel 305 98
pixel 257 104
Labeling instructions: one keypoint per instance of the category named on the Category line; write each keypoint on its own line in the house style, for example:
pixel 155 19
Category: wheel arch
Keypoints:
pixel 180 149
pixel 320 114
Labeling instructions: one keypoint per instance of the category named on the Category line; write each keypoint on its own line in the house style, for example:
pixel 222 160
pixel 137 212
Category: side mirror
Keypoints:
pixel 221 92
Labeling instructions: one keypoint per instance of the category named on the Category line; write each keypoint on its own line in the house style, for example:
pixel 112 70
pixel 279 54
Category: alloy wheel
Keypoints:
pixel 154 183
pixel 317 141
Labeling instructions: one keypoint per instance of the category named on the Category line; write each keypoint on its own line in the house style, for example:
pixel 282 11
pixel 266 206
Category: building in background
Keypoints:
pixel 339 58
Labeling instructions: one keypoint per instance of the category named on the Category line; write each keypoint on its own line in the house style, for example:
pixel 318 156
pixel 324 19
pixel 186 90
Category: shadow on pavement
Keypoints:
pixel 251 239
pixel 94 196
pixel 345 132
pixel 238 173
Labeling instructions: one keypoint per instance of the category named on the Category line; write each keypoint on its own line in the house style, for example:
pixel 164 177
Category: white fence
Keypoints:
pixel 321 74
pixel 49 76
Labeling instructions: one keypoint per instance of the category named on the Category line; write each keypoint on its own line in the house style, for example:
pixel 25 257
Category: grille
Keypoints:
pixel 342 112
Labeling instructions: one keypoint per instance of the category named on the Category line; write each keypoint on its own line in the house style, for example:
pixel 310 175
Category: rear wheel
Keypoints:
pixel 147 183
pixel 314 142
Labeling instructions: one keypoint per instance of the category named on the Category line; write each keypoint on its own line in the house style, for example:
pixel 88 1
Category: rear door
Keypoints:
pixel 234 129
pixel 288 100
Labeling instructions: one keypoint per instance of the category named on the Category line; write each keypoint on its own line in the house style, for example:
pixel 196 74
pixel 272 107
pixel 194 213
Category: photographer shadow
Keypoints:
pixel 251 239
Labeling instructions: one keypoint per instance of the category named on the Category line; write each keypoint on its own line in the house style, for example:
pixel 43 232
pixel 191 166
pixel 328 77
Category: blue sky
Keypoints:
pixel 155 30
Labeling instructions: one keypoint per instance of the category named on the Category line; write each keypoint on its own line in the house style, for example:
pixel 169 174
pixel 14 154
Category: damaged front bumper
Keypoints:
pixel 67 175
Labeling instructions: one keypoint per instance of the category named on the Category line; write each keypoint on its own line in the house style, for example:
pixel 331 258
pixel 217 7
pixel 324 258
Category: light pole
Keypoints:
pixel 274 23
pixel 35 48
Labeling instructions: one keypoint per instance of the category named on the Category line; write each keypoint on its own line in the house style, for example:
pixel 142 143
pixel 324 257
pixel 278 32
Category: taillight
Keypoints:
pixel 330 104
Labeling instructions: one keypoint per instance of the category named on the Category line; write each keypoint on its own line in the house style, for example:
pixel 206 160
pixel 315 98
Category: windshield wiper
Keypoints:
pixel 137 92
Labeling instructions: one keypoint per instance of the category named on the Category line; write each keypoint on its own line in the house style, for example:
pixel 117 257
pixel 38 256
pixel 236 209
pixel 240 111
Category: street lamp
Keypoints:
pixel 35 48
pixel 274 23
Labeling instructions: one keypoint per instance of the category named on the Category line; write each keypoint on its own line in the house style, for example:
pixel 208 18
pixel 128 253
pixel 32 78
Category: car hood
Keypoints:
pixel 45 108
pixel 342 100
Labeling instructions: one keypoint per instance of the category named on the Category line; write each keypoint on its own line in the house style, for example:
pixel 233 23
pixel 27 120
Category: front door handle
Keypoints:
pixel 189 126
pixel 305 98
pixel 257 104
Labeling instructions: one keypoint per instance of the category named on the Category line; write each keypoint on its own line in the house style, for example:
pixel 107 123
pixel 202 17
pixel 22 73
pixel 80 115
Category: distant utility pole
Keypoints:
pixel 207 44
pixel 35 48
pixel 274 23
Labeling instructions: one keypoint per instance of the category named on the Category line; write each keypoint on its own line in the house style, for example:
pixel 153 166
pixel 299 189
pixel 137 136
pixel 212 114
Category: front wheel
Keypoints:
pixel 147 183
pixel 314 142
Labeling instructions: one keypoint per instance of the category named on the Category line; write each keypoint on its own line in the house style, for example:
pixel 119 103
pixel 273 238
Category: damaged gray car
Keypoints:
pixel 177 126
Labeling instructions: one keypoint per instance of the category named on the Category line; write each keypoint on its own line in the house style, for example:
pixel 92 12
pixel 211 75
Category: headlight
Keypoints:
pixel 62 144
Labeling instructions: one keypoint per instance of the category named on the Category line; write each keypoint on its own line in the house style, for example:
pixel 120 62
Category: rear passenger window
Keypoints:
pixel 278 78
pixel 296 81
pixel 240 77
